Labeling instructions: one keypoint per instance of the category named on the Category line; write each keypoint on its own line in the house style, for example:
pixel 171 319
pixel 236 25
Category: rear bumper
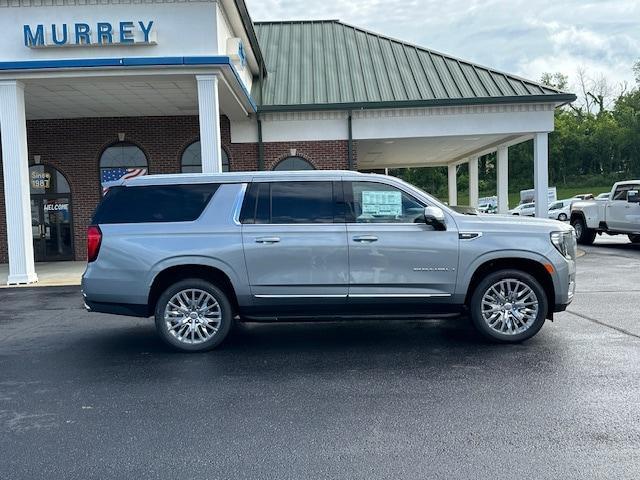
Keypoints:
pixel 128 309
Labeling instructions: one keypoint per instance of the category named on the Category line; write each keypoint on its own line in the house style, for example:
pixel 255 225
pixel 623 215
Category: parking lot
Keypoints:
pixel 91 396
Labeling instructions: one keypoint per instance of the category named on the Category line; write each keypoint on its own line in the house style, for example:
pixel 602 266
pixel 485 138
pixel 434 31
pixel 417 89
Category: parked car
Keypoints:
pixel 603 196
pixel 465 209
pixel 619 214
pixel 584 196
pixel 200 252
pixel 561 209
pixel 487 208
pixel 524 210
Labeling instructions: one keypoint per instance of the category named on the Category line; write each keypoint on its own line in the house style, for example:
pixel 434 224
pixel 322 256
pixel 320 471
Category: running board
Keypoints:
pixel 337 318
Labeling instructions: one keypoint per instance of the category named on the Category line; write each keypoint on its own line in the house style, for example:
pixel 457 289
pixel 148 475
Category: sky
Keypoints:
pixel 522 37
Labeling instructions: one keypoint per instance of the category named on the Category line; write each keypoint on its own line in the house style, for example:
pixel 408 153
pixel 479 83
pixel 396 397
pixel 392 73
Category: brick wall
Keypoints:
pixel 74 147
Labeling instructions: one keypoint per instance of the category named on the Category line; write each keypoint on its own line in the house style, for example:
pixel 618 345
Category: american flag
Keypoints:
pixel 110 175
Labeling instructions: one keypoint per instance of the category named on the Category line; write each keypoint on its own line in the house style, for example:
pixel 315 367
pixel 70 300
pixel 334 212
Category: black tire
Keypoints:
pixel 226 315
pixel 485 284
pixel 634 238
pixel 562 217
pixel 584 235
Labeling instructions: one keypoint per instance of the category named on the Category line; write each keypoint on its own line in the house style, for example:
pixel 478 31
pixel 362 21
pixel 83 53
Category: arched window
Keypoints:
pixel 45 179
pixel 121 161
pixel 294 163
pixel 192 159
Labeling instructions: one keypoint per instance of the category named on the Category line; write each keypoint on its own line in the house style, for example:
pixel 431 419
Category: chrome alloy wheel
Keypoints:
pixel 509 306
pixel 192 316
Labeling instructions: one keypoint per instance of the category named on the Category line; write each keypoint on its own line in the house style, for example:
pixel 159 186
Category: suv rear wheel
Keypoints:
pixel 584 235
pixel 193 315
pixel 509 306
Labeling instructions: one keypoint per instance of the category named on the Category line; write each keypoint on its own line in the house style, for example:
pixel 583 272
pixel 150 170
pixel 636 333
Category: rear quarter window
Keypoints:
pixel 154 203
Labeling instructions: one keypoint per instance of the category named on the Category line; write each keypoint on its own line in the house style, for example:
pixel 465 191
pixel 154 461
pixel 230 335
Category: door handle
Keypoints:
pixel 267 239
pixel 365 238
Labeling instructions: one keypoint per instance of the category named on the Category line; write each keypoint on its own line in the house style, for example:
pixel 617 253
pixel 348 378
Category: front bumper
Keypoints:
pixel 565 285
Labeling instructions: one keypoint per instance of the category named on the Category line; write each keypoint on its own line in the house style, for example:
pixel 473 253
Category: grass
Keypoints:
pixel 563 192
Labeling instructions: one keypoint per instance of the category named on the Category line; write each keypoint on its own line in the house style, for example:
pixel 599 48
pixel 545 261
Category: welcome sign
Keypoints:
pixel 124 33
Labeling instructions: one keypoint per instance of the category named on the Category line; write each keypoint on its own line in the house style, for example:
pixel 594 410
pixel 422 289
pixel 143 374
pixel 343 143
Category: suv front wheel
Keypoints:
pixel 193 315
pixel 509 306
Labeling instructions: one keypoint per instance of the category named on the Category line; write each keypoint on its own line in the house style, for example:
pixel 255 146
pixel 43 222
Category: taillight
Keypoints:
pixel 94 239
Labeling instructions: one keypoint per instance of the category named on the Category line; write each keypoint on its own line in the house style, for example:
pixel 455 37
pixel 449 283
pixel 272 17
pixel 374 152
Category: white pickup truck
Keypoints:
pixel 617 214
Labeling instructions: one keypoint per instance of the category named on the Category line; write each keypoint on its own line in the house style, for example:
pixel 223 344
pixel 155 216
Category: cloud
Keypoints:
pixel 525 37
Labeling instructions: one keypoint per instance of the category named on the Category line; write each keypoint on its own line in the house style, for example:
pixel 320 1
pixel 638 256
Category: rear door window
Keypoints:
pixel 292 203
pixel 154 203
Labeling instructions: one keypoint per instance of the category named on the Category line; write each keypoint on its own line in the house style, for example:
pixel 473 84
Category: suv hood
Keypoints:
pixel 510 223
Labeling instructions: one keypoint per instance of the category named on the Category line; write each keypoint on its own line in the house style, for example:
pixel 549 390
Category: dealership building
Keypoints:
pixel 96 90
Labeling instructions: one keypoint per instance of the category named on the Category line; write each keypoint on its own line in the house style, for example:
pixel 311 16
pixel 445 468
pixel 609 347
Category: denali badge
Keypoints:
pixel 433 269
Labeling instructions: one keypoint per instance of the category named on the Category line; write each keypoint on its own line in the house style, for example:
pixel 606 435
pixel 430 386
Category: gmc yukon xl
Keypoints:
pixel 200 252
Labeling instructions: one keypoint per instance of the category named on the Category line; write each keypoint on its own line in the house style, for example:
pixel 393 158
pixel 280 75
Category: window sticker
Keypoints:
pixel 382 203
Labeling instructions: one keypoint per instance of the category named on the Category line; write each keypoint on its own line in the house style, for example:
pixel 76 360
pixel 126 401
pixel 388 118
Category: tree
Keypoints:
pixel 556 80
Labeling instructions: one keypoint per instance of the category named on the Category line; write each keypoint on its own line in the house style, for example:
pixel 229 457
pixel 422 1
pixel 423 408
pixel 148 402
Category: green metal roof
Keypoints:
pixel 327 64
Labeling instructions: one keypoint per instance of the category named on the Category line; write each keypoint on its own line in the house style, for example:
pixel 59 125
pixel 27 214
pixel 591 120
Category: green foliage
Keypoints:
pixel 587 151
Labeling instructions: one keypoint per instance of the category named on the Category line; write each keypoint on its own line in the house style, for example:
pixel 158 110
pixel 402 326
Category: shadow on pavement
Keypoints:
pixel 260 351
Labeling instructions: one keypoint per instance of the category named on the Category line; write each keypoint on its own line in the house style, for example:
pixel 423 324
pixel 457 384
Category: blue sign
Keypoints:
pixel 242 54
pixel 81 34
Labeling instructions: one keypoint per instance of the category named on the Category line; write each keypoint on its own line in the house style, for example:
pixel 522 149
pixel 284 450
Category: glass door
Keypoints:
pixel 51 220
pixel 37 229
pixel 56 229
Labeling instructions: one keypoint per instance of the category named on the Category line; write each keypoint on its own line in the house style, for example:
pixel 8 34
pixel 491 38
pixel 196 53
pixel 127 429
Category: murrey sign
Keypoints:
pixel 126 33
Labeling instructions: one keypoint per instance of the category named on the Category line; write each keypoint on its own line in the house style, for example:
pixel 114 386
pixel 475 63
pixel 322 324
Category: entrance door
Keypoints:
pixel 56 241
pixel 37 228
pixel 51 219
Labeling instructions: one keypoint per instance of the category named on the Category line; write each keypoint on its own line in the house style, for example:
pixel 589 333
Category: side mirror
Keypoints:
pixel 434 216
pixel 633 196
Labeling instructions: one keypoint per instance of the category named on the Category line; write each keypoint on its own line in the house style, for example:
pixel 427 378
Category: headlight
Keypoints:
pixel 565 243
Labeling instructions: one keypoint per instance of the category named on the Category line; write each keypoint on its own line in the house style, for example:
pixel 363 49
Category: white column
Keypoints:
pixel 473 182
pixel 502 168
pixel 541 173
pixel 453 185
pixel 209 113
pixel 15 165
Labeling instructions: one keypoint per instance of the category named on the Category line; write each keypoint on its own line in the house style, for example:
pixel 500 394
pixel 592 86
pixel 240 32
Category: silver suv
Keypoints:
pixel 200 252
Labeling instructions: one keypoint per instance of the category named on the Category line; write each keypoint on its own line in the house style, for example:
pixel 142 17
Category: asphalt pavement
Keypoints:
pixel 95 396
